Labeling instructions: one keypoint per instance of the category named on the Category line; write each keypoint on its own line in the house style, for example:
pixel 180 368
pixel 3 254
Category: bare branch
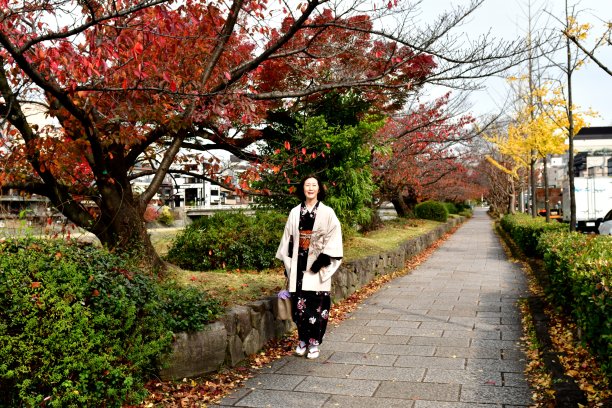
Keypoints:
pixel 590 54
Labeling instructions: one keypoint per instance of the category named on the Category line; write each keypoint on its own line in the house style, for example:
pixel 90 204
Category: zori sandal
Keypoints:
pixel 313 352
pixel 300 350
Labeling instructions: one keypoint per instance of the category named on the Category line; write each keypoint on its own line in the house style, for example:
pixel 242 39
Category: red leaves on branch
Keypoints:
pixel 427 152
pixel 120 92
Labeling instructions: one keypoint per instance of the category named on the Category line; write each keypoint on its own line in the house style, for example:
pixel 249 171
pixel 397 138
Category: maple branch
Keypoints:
pixel 58 194
pixel 94 21
pixel 223 38
pixel 236 151
pixel 14 114
pixel 13 110
pixel 239 71
pixel 163 169
pixel 211 180
pixel 475 60
pixel 365 83
pixel 152 136
pixel 438 178
pixel 61 96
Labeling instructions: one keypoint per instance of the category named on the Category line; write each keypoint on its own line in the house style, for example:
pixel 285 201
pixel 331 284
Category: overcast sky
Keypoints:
pixel 508 19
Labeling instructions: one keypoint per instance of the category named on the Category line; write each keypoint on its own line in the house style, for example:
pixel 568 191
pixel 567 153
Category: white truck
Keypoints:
pixel 593 201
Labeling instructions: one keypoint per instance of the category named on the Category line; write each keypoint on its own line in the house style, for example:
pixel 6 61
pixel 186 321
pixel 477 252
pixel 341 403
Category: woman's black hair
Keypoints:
pixel 300 192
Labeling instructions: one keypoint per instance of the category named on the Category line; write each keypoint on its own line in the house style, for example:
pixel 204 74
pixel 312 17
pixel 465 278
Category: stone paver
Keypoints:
pixel 446 336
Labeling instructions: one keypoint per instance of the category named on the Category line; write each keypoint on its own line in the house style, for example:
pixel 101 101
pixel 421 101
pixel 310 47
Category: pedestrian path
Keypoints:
pixel 446 335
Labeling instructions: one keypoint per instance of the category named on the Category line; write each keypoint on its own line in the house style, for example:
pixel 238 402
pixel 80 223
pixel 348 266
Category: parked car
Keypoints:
pixel 605 226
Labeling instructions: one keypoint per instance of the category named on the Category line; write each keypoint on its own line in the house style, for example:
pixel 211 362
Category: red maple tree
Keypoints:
pixel 138 81
pixel 426 154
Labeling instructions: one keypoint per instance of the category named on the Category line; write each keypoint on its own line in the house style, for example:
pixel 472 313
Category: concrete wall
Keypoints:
pixel 244 330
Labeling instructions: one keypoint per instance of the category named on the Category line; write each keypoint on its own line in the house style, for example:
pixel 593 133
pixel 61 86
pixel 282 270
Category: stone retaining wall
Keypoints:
pixel 244 330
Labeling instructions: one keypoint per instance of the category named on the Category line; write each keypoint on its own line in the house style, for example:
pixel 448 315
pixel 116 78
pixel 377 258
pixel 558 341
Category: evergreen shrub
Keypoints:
pixel 431 210
pixel 451 208
pixel 525 230
pixel 80 326
pixel 579 268
pixel 463 206
pixel 229 240
pixel 466 213
pixel 187 309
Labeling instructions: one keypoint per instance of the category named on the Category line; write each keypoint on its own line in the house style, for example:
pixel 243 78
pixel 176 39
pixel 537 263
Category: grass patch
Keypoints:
pixel 387 238
pixel 161 238
pixel 236 287
pixel 232 287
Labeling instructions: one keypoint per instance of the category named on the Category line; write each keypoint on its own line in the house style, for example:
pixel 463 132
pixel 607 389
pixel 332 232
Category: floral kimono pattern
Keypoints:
pixel 310 309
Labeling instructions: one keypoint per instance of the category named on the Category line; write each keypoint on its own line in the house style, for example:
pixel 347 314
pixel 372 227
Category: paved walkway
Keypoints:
pixel 446 335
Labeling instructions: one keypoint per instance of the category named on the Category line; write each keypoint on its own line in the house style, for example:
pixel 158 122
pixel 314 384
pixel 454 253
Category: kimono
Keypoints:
pixel 311 250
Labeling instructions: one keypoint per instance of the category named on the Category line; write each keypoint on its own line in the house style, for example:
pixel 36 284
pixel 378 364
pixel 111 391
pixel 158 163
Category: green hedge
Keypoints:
pixel 229 240
pixel 431 210
pixel 525 230
pixel 579 268
pixel 451 208
pixel 80 326
pixel 578 272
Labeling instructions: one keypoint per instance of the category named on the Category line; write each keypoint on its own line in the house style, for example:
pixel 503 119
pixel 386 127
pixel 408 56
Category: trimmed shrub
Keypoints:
pixel 463 206
pixel 525 230
pixel 451 208
pixel 431 210
pixel 79 326
pixel 229 240
pixel 466 213
pixel 578 272
pixel 187 308
pixel 579 268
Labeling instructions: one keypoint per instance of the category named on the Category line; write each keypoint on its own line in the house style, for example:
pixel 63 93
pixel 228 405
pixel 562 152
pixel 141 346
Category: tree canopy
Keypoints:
pixel 135 82
pixel 420 150
pixel 333 138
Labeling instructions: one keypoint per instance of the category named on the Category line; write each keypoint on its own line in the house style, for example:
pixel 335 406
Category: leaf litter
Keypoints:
pixel 211 389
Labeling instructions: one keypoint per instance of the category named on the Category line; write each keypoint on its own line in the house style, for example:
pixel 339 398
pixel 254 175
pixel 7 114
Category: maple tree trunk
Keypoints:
pixel 400 206
pixel 126 233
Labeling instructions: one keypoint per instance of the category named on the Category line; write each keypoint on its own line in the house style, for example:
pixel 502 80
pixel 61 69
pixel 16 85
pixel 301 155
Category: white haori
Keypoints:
pixel 326 238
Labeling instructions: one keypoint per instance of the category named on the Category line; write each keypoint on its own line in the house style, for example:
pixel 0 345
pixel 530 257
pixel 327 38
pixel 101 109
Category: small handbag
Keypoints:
pixel 283 304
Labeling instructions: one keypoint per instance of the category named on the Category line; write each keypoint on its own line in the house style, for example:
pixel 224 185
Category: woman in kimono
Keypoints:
pixel 310 264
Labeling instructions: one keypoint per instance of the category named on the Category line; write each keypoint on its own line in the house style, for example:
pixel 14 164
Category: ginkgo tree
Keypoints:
pixel 136 82
pixel 545 138
pixel 534 133
pixel 512 157
pixel 579 39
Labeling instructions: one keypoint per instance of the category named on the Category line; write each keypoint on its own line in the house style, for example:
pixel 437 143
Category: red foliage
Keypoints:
pixel 427 154
pixel 150 214
pixel 129 83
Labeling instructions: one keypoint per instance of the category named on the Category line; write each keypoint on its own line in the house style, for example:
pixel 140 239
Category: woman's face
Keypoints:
pixel 311 189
